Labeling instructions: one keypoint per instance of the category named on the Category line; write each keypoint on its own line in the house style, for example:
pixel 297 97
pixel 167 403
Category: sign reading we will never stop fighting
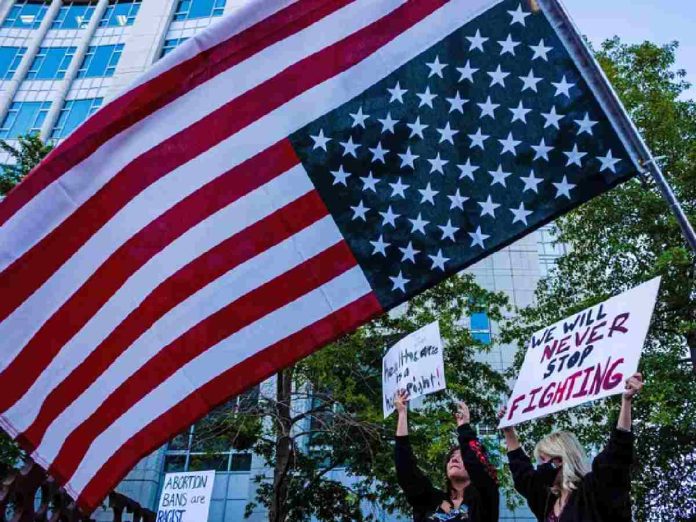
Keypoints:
pixel 186 497
pixel 414 364
pixel 584 357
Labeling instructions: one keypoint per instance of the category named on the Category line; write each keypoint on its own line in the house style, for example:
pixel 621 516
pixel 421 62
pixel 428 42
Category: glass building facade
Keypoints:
pixel 60 61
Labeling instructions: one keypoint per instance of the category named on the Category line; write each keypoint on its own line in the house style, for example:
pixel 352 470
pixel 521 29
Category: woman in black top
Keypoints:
pixel 471 484
pixel 565 488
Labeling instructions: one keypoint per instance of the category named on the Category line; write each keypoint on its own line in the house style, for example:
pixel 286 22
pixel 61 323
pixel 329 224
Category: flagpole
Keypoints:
pixel 609 99
pixel 667 193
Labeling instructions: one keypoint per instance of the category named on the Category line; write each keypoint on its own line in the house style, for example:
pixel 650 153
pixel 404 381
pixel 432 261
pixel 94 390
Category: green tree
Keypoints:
pixel 28 152
pixel 326 412
pixel 617 241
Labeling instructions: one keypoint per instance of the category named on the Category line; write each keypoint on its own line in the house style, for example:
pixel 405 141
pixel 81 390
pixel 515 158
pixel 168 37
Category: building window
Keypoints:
pixel 481 327
pixel 189 9
pixel 206 445
pixel 73 16
pixel 170 45
pixel 100 61
pixel 51 63
pixel 73 113
pixel 24 118
pixel 120 13
pixel 10 57
pixel 549 249
pixel 26 15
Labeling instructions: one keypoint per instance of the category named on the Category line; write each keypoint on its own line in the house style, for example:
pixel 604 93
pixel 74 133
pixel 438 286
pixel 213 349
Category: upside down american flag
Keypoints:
pixel 275 182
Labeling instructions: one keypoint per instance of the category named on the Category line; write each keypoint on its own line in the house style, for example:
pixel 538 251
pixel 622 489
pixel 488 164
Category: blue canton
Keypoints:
pixel 482 138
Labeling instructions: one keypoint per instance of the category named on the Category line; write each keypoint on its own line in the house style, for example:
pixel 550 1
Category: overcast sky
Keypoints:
pixel 659 21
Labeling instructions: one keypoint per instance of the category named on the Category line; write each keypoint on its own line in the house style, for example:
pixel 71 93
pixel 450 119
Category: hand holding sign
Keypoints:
pixel 401 401
pixel 463 416
pixel 633 385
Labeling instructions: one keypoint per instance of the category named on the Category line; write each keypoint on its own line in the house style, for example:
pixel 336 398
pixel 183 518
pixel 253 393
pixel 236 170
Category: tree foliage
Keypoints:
pixel 617 241
pixel 28 153
pixel 324 435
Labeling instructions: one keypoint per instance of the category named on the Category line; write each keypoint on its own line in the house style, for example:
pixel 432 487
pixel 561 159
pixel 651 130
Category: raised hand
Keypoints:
pixel 401 406
pixel 401 401
pixel 462 416
pixel 511 440
pixel 633 385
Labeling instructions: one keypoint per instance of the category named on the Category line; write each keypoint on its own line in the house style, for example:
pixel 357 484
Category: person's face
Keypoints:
pixel 556 462
pixel 455 467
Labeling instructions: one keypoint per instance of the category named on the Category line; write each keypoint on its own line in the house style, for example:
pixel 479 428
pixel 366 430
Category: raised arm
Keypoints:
pixel 612 466
pixel 529 482
pixel 512 442
pixel 481 472
pixel 633 385
pixel 419 491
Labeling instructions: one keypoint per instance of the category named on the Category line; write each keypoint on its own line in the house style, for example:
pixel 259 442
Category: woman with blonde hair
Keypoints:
pixel 565 488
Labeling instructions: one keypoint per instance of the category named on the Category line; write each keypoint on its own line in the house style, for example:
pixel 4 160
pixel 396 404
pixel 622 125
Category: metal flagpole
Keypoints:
pixel 668 194
pixel 609 100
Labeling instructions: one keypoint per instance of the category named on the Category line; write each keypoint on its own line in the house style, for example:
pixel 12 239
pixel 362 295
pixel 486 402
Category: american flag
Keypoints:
pixel 272 184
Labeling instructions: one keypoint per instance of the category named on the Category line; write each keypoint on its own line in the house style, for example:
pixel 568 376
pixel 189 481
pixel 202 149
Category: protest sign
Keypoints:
pixel 584 357
pixel 414 364
pixel 186 497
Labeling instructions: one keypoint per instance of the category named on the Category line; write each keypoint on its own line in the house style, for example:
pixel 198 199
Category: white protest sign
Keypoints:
pixel 186 497
pixel 415 364
pixel 584 357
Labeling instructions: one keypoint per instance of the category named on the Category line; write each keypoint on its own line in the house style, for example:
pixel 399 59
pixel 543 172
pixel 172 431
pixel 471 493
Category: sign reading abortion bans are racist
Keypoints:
pixel 584 357
pixel 414 364
pixel 186 497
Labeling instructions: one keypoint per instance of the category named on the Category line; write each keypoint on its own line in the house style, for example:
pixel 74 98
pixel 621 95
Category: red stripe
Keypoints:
pixel 145 99
pixel 132 255
pixel 232 252
pixel 232 382
pixel 31 270
pixel 242 312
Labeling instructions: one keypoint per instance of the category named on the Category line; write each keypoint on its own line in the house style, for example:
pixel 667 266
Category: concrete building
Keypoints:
pixel 61 60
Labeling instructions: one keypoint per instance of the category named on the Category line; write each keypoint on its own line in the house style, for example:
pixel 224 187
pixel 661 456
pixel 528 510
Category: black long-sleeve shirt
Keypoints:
pixel 481 498
pixel 603 494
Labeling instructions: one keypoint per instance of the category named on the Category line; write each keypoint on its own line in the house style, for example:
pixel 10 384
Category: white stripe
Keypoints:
pixel 28 318
pixel 242 16
pixel 226 289
pixel 261 134
pixel 60 199
pixel 276 326
pixel 218 227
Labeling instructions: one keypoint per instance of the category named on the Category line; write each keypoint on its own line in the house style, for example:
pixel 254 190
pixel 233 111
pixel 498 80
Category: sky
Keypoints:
pixel 634 21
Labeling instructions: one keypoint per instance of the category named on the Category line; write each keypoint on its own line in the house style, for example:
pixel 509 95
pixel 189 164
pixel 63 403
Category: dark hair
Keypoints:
pixel 480 452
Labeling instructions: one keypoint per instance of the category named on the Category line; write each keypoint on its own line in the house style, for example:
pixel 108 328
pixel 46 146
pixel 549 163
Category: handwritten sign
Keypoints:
pixel 584 357
pixel 186 497
pixel 414 364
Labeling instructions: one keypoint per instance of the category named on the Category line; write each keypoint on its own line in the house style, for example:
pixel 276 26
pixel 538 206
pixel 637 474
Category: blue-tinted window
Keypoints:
pixel 73 113
pixel 100 60
pixel 120 14
pixel 9 61
pixel 479 321
pixel 24 118
pixel 26 15
pixel 482 337
pixel 51 63
pixel 170 45
pixel 73 16
pixel 188 9
pixel 481 327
